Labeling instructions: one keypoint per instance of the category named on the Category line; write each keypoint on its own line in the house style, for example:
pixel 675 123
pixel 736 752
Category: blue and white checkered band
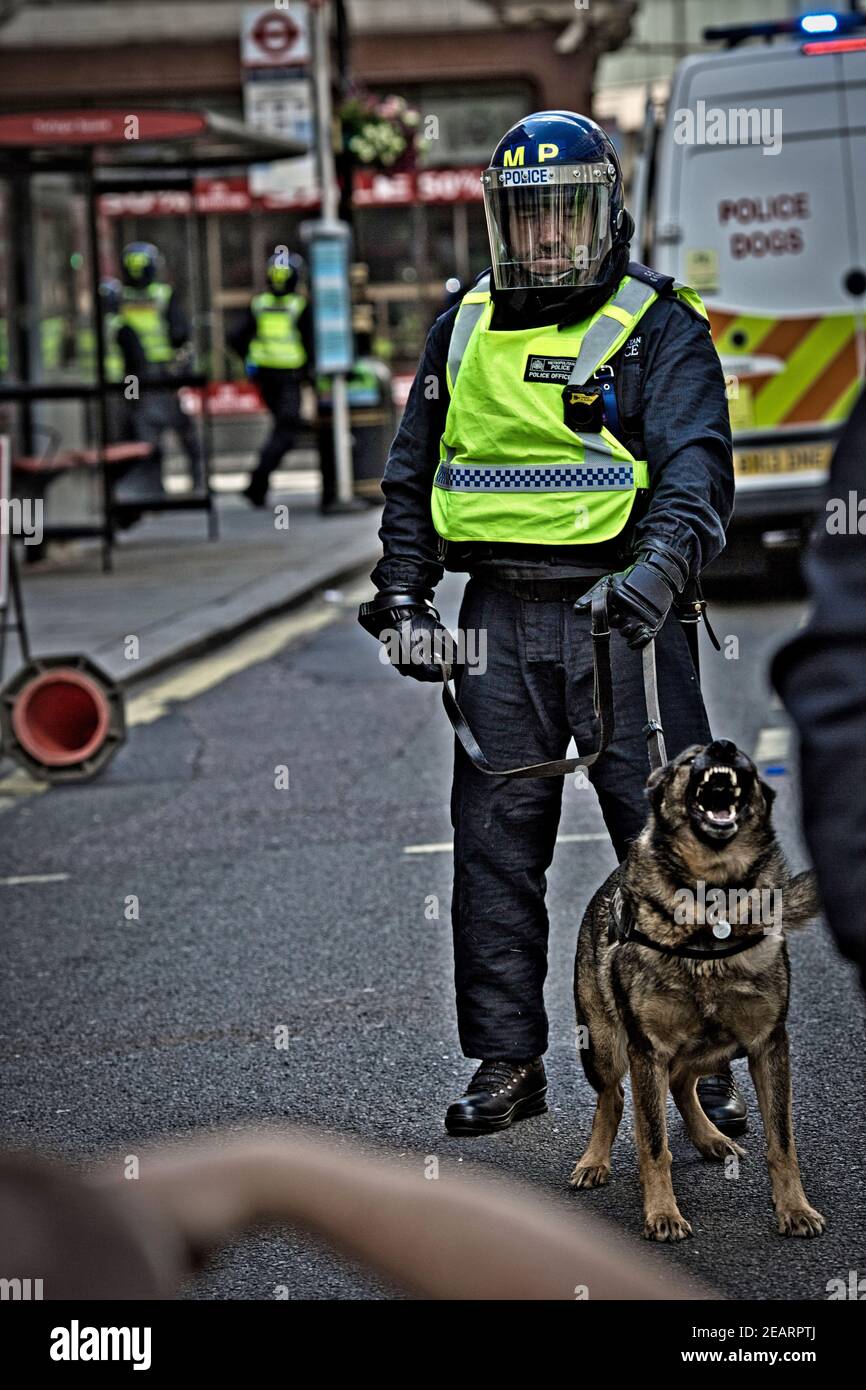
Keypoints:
pixel 557 478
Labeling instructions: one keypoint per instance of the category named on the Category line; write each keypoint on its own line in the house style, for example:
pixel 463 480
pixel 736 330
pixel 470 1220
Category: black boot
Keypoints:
pixel 498 1093
pixel 722 1101
pixel 255 493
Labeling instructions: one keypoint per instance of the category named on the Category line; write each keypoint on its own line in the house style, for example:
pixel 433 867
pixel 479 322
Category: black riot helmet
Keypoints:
pixel 558 227
pixel 140 262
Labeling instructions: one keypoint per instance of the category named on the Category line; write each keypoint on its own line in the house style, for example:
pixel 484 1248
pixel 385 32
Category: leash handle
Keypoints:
pixel 603 688
pixel 653 727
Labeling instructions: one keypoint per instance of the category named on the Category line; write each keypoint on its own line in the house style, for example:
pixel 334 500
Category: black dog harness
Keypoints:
pixel 621 928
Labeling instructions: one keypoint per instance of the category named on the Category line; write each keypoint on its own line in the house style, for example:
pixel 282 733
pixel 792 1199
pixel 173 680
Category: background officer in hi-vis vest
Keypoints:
pixel 153 334
pixel 276 339
pixel 581 430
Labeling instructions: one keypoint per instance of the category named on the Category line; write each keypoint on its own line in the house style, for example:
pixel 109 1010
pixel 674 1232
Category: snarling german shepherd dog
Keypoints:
pixel 682 960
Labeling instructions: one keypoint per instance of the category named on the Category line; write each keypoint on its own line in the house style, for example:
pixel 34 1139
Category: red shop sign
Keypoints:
pixel 98 127
pixel 449 185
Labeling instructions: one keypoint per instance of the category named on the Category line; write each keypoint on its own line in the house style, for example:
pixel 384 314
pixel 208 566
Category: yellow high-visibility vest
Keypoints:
pixel 278 342
pixel 511 469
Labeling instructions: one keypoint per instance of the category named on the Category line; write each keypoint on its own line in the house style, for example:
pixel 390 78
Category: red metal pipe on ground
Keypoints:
pixel 61 717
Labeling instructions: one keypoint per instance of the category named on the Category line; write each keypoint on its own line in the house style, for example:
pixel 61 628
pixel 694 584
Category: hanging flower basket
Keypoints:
pixel 382 133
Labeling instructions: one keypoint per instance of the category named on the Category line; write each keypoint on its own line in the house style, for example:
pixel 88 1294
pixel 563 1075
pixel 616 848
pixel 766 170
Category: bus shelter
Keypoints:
pixel 60 402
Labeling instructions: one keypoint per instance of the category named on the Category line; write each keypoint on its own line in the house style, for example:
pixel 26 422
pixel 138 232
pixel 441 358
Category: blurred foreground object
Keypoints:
pixel 821 677
pixel 459 1237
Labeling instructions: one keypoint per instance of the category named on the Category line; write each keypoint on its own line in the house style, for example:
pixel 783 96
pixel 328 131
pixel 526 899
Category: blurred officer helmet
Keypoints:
pixel 140 260
pixel 284 271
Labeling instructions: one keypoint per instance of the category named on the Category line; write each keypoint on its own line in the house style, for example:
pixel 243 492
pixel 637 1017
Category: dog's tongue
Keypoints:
pixel 720 817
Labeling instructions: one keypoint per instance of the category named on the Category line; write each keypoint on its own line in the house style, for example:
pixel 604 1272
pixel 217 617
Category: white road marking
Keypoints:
pixel 773 743
pixel 33 878
pixel 446 846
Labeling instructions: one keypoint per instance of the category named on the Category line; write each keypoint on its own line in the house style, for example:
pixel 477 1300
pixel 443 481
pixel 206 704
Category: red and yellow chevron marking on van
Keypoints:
pixel 822 372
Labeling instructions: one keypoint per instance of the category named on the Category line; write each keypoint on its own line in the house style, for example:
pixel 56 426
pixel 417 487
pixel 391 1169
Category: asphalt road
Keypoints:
pixel 261 907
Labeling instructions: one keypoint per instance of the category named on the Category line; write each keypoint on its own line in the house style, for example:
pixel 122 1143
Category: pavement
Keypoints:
pixel 180 594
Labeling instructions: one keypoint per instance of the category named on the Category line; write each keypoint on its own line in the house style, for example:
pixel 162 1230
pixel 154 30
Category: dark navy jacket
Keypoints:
pixel 821 676
pixel 687 440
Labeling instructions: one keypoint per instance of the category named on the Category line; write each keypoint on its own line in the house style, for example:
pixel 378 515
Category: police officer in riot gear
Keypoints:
pixel 276 339
pixel 580 432
pixel 153 332
pixel 110 296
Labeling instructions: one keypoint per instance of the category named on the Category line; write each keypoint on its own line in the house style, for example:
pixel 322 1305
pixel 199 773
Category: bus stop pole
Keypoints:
pixel 102 430
pixel 330 210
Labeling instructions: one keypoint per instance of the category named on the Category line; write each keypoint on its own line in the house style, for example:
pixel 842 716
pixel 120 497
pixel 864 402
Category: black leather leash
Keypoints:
pixel 602 703
pixel 653 727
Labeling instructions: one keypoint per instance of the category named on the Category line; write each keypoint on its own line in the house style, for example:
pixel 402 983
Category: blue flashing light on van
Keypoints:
pixel 819 23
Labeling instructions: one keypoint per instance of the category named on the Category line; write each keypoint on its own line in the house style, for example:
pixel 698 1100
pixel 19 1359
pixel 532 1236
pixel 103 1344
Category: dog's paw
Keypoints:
pixel 666 1225
pixel 800 1221
pixel 719 1148
pixel 590 1175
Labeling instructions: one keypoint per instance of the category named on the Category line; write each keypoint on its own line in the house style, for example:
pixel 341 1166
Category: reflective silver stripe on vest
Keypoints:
pixel 464 324
pixel 600 338
pixel 594 444
pixel 618 477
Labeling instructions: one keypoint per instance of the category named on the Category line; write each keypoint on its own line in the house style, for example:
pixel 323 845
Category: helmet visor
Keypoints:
pixel 548 226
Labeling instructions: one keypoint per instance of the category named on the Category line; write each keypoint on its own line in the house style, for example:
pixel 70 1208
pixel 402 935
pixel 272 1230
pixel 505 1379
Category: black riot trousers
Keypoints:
pixel 534 692
pixel 281 392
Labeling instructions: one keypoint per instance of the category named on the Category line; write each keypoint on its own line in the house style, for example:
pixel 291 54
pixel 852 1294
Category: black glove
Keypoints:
pixel 639 598
pixel 406 622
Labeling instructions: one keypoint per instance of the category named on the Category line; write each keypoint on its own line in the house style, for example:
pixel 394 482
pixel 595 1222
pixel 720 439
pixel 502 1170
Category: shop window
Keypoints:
pixel 386 241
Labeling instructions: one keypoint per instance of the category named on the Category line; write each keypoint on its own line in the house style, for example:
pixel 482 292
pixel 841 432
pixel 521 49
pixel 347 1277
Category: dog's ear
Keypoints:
pixel 655 787
pixel 769 793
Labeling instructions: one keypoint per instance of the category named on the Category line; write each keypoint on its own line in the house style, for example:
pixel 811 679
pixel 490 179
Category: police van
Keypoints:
pixel 752 189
